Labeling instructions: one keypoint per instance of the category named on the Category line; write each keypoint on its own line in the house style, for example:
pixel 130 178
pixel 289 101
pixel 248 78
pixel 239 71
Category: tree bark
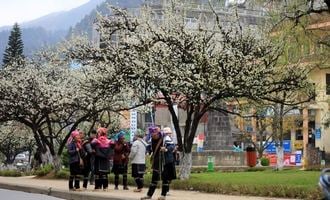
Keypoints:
pixel 185 165
pixel 46 157
pixel 9 159
pixel 57 163
pixel 280 158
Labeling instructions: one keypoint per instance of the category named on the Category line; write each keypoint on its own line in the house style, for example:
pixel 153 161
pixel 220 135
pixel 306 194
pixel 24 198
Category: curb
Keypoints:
pixel 60 193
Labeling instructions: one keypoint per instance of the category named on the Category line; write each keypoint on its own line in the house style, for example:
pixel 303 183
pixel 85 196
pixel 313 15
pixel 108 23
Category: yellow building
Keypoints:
pixel 317 111
pixel 310 46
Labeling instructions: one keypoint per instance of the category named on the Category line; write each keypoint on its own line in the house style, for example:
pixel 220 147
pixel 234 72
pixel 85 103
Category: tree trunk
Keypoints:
pixel 280 158
pixel 9 159
pixel 185 165
pixel 57 163
pixel 46 157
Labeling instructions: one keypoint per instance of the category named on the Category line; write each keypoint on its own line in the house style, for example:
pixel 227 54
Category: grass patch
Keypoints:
pixel 10 173
pixel 289 183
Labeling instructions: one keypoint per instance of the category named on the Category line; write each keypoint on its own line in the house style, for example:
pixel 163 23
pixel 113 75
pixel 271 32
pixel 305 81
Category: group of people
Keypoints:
pixel 94 158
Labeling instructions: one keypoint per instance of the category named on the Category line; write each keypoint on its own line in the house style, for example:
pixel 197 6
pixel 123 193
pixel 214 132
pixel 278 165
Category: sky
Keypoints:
pixel 19 11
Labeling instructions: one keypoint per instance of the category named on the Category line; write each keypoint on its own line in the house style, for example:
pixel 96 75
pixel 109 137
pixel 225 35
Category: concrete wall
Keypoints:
pixel 218 135
pixel 221 158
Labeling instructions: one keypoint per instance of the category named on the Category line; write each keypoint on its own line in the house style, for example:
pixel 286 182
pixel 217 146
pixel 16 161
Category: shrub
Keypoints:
pixel 198 169
pixel 63 174
pixel 264 161
pixel 65 159
pixel 44 170
pixel 255 169
pixel 12 173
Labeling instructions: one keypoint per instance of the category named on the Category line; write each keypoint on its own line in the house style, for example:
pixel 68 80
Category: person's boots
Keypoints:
pixel 77 182
pixel 165 188
pixel 151 189
pixel 97 182
pixel 139 184
pixel 125 181
pixel 104 183
pixel 85 182
pixel 116 181
pixel 71 178
pixel 92 179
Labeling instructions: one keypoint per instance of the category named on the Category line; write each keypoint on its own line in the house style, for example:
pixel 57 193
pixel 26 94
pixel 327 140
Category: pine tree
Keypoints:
pixel 14 49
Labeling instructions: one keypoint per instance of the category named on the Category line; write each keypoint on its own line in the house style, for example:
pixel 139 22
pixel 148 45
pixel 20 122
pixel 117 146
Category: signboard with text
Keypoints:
pixel 318 133
pixel 271 148
pixel 133 123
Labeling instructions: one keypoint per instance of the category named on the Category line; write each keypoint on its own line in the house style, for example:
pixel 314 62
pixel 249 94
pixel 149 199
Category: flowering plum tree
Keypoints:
pixel 14 139
pixel 52 97
pixel 34 94
pixel 166 60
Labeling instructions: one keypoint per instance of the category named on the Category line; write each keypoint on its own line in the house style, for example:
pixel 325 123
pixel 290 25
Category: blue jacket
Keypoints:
pixel 73 153
pixel 170 146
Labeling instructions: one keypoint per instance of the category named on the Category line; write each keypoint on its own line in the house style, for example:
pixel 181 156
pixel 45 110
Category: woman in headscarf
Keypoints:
pixel 162 162
pixel 120 160
pixel 138 160
pixel 86 156
pixel 103 151
pixel 74 147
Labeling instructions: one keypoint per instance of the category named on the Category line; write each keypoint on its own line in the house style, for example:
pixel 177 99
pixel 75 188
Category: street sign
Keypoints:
pixel 318 133
pixel 298 157
pixel 271 148
pixel 133 124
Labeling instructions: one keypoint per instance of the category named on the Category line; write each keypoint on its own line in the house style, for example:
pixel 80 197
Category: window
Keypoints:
pixel 327 83
pixel 299 135
pixel 150 116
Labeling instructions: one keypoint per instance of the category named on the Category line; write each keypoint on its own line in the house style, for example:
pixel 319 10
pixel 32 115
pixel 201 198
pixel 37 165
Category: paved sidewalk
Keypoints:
pixel 59 188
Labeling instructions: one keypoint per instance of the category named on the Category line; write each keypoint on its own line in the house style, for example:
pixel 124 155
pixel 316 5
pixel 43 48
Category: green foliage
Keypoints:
pixel 12 173
pixel 65 159
pixel 14 139
pixel 63 174
pixel 43 171
pixel 199 169
pixel 264 161
pixel 255 169
pixel 14 50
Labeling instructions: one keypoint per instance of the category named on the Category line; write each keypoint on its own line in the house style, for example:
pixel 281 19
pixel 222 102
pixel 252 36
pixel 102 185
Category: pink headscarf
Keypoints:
pixel 72 136
pixel 102 140
pixel 102 131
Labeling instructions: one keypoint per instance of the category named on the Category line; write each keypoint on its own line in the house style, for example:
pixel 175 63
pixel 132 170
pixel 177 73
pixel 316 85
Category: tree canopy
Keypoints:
pixel 170 62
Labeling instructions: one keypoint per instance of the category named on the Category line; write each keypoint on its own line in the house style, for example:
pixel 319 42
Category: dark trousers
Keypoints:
pixel 124 179
pixel 85 172
pixel 92 178
pixel 101 181
pixel 139 181
pixel 138 171
pixel 76 180
pixel 154 180
pixel 86 178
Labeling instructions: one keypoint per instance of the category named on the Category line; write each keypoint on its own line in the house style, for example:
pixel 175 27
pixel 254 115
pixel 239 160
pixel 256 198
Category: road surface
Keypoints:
pixel 16 195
